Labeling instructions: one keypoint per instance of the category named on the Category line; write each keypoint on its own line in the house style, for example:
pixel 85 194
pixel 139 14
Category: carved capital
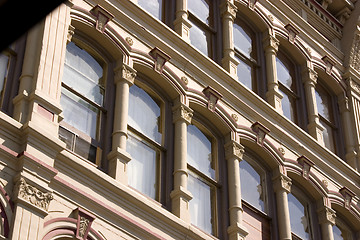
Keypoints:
pixel 270 43
pixel 326 215
pixel 228 9
pixel 260 131
pixel 306 165
pixel 182 112
pixel 102 17
pixel 160 58
pixel 83 225
pixel 32 195
pixel 309 76
pixel 71 31
pixel 234 150
pixel 213 96
pixel 124 72
pixel 282 183
pixel 293 32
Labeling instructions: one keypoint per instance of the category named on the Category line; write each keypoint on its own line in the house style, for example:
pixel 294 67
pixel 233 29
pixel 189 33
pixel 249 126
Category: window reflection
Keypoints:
pixel 154 7
pixel 242 40
pixel 299 219
pixel 201 9
pixel 199 39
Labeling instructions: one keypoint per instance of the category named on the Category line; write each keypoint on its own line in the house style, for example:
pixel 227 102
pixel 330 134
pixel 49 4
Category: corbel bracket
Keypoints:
pixel 213 96
pixel 329 63
pixel 102 17
pixel 306 164
pixel 293 32
pixel 348 195
pixel 260 131
pixel 160 58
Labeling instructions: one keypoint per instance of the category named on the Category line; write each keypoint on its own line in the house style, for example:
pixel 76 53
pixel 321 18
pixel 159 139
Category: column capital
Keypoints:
pixel 233 149
pixel 181 112
pixel 309 76
pixel 282 182
pixel 271 43
pixel 228 10
pixel 326 215
pixel 124 72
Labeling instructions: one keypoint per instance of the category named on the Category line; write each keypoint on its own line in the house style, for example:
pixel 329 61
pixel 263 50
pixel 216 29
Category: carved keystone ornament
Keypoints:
pixel 102 17
pixel 160 58
pixel 83 225
pixel 213 96
pixel 306 165
pixel 293 32
pixel 348 195
pixel 260 131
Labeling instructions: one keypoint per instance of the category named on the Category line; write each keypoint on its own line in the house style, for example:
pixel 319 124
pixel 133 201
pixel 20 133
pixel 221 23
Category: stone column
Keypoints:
pixel 181 24
pixel 233 154
pixel 282 186
pixel 273 94
pixel 118 157
pixel 228 14
pixel 326 217
pixel 309 77
pixel 180 196
pixel 31 207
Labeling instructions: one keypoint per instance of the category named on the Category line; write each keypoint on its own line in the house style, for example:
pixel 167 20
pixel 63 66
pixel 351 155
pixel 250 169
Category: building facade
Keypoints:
pixel 183 119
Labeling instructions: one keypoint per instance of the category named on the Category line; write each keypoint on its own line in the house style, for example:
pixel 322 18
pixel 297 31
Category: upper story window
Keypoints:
pixel 154 7
pixel 82 100
pixel 342 230
pixel 300 220
pixel 202 181
pixel 287 85
pixel 202 30
pixel 327 113
pixel 4 70
pixel 246 53
pixel 144 144
pixel 254 196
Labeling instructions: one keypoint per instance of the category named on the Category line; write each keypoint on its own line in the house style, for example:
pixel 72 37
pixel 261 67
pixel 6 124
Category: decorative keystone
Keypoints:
pixel 234 150
pixel 160 58
pixel 252 4
pixel 83 225
pixel 213 96
pixel 306 165
pixel 293 32
pixel 260 131
pixel 329 63
pixel 102 17
pixel 348 195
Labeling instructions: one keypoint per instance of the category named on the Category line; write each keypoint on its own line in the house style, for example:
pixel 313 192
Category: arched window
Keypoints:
pixel 145 140
pixel 154 7
pixel 300 219
pixel 202 181
pixel 287 86
pixel 254 198
pixel 342 230
pixel 202 30
pixel 327 109
pixel 82 101
pixel 246 53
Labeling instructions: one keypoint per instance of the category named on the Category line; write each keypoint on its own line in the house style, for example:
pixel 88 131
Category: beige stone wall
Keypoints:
pixel 48 191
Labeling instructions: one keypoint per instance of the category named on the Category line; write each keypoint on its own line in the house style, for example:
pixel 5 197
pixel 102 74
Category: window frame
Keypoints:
pixel 214 184
pixel 98 141
pixel 163 183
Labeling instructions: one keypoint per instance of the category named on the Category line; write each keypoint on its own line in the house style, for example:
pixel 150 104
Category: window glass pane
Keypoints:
pixel 199 39
pixel 67 137
pixel 201 9
pixel 337 233
pixel 4 60
pixel 83 73
pixel 152 6
pixel 323 103
pixel 287 107
pixel 328 136
pixel 199 151
pixel 298 221
pixel 78 113
pixel 283 73
pixel 251 189
pixel 144 113
pixel 244 73
pixel 200 204
pixel 142 167
pixel 85 149
pixel 242 40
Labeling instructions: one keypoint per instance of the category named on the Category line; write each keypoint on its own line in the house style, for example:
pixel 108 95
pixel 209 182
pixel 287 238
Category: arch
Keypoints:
pixel 59 228
pixel 352 215
pixel 334 82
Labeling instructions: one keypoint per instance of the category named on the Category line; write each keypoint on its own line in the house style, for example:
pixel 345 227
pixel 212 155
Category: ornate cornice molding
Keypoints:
pixel 32 195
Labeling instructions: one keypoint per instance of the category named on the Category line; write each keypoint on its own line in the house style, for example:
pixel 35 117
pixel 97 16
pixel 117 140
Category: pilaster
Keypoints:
pixel 233 155
pixel 273 95
pixel 180 196
pixel 118 157
pixel 228 14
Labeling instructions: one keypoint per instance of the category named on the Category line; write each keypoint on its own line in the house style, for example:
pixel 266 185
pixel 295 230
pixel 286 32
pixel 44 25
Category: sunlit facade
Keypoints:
pixel 183 119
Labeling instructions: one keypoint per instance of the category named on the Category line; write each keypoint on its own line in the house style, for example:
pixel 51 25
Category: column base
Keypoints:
pixel 230 63
pixel 274 97
pixel 237 232
pixel 182 27
pixel 180 203
pixel 118 159
pixel 316 131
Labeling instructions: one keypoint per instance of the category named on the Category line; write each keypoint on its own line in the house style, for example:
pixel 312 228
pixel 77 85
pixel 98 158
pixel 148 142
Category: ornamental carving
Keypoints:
pixel 213 96
pixel 102 17
pixel 293 32
pixel 348 195
pixel 355 52
pixel 234 149
pixel 83 225
pixel 129 41
pixel 160 58
pixel 282 183
pixel 260 131
pixel 124 72
pixel 326 215
pixel 306 166
pixel 229 9
pixel 182 112
pixel 329 64
pixel 252 4
pixel 355 86
pixel 32 195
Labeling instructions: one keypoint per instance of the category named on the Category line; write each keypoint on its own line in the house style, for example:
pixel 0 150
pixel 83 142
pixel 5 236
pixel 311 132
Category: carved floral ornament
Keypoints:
pixel 329 64
pixel 83 225
pixel 182 112
pixel 30 194
pixel 124 72
pixel 102 17
pixel 326 214
pixel 234 149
